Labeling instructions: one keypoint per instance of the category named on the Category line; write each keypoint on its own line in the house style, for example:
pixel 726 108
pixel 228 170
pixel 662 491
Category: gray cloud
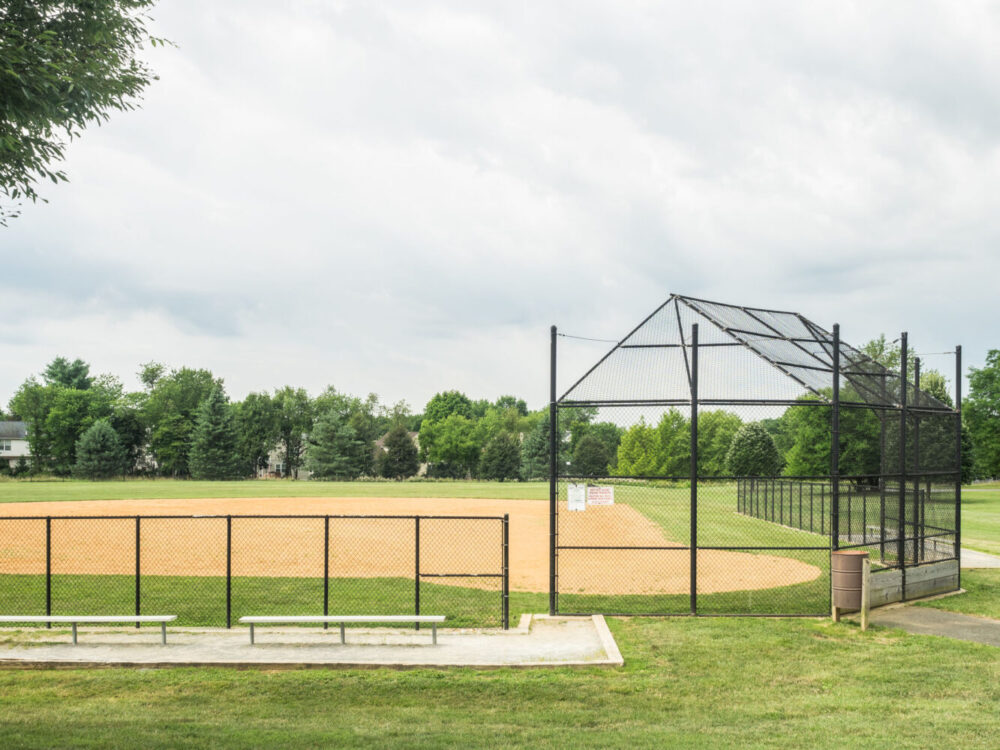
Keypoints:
pixel 401 197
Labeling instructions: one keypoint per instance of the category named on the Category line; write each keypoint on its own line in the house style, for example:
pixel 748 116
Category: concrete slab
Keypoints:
pixel 538 641
pixel 973 559
pixel 927 621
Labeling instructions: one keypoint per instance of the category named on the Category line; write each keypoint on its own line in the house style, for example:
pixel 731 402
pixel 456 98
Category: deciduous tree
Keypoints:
pixel 64 64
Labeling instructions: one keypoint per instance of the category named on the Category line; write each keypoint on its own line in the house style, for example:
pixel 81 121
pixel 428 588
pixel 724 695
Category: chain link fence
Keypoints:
pixel 212 570
pixel 836 451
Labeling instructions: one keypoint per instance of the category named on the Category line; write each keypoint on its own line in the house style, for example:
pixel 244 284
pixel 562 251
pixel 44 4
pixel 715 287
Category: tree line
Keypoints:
pixel 182 424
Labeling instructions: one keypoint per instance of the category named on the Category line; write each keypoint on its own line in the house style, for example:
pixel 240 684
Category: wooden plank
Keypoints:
pixel 931 571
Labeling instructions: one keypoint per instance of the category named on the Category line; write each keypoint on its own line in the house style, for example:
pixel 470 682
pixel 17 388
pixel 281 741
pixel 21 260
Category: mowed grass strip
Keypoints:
pixel 982 595
pixel 18 491
pixel 981 520
pixel 686 683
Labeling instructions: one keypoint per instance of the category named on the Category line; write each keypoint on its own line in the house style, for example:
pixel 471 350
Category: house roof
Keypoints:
pixel 13 430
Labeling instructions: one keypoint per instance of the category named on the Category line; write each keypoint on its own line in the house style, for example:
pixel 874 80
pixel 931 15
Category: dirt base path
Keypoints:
pixel 379 547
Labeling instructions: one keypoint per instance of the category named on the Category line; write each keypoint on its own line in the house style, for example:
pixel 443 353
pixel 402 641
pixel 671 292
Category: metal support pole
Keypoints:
pixel 694 468
pixel 835 443
pixel 918 541
pixel 229 571
pixel 822 509
pixel 48 569
pixel 553 443
pixel 882 417
pixel 137 548
pixel 505 602
pixel 958 461
pixel 326 570
pixel 416 570
pixel 901 522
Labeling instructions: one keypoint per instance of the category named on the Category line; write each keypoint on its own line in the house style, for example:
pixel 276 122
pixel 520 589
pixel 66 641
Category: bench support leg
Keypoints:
pixel 251 633
pixel 434 633
pixel 74 633
pixel 163 633
pixel 342 640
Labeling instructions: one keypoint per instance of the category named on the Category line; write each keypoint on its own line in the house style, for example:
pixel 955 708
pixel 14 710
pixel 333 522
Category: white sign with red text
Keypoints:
pixel 600 495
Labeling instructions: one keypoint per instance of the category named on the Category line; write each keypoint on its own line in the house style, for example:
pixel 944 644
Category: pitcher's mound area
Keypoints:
pixel 286 547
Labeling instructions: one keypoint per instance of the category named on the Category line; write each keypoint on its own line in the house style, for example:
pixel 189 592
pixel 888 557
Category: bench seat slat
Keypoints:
pixel 87 618
pixel 262 619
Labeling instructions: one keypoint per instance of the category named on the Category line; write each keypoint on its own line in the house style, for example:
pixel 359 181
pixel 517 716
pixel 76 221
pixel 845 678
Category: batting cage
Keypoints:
pixel 711 461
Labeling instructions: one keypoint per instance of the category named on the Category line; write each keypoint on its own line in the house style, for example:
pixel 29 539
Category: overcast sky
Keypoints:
pixel 402 197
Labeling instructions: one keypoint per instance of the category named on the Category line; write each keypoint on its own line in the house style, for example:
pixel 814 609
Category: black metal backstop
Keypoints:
pixel 836 451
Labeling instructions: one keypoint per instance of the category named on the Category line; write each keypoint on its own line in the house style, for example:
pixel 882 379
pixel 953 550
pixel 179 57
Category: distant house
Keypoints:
pixel 275 468
pixel 14 442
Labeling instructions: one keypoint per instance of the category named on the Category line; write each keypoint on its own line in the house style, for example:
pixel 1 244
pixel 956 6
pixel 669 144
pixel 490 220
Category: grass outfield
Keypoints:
pixel 981 520
pixel 686 683
pixel 16 491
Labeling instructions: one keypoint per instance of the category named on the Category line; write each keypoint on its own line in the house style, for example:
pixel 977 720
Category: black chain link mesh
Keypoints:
pixel 210 570
pixel 761 543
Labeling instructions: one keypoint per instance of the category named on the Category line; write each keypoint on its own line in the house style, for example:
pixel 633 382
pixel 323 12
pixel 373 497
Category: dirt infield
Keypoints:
pixel 381 547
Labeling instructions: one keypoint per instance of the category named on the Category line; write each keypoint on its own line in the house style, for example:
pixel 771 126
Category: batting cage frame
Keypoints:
pixel 748 445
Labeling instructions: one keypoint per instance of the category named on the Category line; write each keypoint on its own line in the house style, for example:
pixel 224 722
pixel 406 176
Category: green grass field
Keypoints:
pixel 981 520
pixel 698 683
pixel 17 491
pixel 706 682
pixel 982 595
pixel 718 525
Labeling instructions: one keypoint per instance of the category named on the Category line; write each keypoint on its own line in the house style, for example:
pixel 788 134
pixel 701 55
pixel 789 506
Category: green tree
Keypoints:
pixel 213 440
pixel 334 450
pixel 256 431
pixel 673 445
pixel 716 430
pixel 169 414
pixel 99 452
pixel 752 453
pixel 638 452
pixel 126 418
pixel 64 64
pixel 450 446
pixel 501 457
pixel 512 402
pixel 75 374
pixel 981 411
pixel 294 421
pixel 443 405
pixel 968 456
pixel 535 451
pixel 399 459
pixel 32 403
pixel 591 456
pixel 71 414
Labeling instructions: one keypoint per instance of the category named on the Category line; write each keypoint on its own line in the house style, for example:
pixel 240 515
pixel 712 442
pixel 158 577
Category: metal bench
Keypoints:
pixel 432 620
pixel 91 619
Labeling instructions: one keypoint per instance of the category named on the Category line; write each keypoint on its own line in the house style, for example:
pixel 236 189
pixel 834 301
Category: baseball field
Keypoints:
pixel 687 682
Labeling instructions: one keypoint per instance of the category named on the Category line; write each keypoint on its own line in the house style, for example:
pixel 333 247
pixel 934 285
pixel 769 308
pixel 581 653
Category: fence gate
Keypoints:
pixel 712 459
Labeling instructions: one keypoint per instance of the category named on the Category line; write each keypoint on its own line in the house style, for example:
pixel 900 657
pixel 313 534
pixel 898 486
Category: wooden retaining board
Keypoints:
pixel 924 580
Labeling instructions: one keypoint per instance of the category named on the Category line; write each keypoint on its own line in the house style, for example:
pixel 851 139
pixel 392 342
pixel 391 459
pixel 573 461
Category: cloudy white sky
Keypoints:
pixel 402 197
